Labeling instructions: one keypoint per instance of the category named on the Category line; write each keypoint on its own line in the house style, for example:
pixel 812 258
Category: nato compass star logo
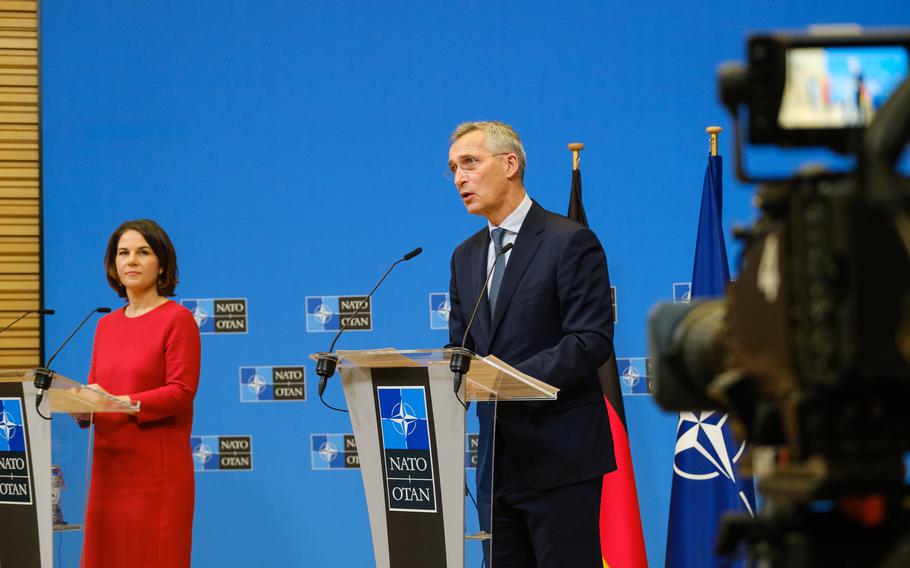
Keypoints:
pixel 333 452
pixel 403 419
pixel 631 376
pixel 440 307
pixel 444 309
pixel 8 426
pixel 200 315
pixel 256 384
pixel 705 450
pixel 327 452
pixel 202 453
pixel 634 375
pixel 323 313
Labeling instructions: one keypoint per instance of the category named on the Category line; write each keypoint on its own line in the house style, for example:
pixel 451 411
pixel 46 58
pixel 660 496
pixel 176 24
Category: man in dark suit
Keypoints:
pixel 549 314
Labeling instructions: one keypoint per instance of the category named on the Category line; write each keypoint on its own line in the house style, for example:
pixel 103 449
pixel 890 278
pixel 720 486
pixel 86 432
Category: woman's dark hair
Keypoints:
pixel 161 245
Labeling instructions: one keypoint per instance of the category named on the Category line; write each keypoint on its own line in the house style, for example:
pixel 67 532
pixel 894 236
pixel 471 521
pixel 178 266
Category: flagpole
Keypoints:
pixel 713 131
pixel 622 542
pixel 576 147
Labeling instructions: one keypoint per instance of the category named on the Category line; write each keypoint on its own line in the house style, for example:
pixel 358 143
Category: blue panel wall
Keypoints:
pixel 294 149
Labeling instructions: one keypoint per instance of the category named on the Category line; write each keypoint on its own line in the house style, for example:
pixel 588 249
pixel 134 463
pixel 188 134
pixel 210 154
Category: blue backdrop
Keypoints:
pixel 294 149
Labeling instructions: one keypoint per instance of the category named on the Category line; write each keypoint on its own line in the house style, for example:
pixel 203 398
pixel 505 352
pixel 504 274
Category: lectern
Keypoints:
pixel 26 540
pixel 410 431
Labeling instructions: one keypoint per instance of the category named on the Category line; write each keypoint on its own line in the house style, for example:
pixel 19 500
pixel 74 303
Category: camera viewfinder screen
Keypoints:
pixel 839 87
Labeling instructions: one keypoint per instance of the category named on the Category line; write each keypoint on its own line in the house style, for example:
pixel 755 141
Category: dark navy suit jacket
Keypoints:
pixel 553 321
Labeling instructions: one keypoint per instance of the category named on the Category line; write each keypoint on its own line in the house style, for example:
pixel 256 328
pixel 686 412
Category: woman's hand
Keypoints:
pixel 83 418
pixel 96 387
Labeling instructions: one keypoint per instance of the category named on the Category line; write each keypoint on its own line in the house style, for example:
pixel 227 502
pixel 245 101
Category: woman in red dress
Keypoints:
pixel 140 506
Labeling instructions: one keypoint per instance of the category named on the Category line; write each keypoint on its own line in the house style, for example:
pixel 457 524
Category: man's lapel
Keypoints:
pixel 526 244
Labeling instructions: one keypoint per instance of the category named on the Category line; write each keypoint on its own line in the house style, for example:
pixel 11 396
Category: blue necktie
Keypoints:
pixel 499 267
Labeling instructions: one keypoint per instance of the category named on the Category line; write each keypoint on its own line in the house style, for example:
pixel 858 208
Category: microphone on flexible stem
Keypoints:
pixel 325 365
pixel 41 312
pixel 43 375
pixel 460 363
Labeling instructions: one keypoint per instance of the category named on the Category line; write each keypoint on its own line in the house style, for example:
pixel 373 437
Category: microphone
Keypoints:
pixel 460 363
pixel 39 312
pixel 325 365
pixel 43 375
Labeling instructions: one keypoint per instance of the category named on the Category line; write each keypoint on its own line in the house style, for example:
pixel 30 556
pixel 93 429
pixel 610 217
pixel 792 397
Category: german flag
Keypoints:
pixel 622 543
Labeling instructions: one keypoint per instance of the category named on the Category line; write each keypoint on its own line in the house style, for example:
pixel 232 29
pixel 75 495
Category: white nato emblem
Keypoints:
pixel 202 453
pixel 256 384
pixel 444 309
pixel 323 313
pixel 631 376
pixel 403 419
pixel 327 451
pixel 703 434
pixel 7 425
pixel 200 315
pixel 682 292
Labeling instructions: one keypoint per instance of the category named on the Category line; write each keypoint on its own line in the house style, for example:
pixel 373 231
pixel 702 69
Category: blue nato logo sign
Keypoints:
pixel 635 375
pixel 273 384
pixel 331 313
pixel 222 453
pixel 218 315
pixel 439 310
pixel 333 452
pixel 682 292
pixel 15 485
pixel 406 449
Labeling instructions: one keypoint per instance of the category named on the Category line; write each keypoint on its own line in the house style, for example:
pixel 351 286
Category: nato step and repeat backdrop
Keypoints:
pixel 293 150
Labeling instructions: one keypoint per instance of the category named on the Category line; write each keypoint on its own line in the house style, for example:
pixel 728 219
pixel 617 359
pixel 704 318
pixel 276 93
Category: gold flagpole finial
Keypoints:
pixel 713 131
pixel 576 147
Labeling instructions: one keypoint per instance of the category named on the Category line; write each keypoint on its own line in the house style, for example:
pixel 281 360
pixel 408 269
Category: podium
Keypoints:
pixel 410 432
pixel 25 459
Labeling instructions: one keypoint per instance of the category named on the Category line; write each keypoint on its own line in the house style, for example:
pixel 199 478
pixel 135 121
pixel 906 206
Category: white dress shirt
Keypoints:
pixel 512 224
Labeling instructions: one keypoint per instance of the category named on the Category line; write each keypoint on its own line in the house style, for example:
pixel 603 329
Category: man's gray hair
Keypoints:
pixel 500 138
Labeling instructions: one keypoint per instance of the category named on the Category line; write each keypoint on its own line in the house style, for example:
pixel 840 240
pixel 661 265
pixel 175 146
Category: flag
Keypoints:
pixel 706 480
pixel 622 544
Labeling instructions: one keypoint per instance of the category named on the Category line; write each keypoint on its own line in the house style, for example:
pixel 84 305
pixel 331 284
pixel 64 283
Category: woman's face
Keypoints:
pixel 137 265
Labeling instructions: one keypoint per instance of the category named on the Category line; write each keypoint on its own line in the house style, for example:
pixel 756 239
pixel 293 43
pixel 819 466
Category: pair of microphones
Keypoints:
pixel 459 363
pixel 327 362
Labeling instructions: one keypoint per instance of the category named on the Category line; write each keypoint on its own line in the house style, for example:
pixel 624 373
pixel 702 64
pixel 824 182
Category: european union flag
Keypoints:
pixel 706 480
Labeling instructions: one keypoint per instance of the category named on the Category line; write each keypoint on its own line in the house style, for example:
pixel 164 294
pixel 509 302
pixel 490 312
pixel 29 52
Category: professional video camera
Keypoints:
pixel 809 352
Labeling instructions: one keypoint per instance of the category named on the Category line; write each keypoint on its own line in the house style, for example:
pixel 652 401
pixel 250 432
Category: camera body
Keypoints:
pixel 808 351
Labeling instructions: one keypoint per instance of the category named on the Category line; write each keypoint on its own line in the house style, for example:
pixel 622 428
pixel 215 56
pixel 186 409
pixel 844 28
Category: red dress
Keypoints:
pixel 140 507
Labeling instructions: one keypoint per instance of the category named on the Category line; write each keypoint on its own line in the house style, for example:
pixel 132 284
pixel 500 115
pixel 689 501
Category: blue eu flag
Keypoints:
pixel 706 479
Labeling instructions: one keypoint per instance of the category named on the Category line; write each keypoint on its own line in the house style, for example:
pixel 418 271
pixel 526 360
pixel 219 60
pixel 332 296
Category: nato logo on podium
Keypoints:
pixel 15 487
pixel 407 455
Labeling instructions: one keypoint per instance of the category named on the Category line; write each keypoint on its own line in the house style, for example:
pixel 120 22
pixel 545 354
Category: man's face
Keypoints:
pixel 483 189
